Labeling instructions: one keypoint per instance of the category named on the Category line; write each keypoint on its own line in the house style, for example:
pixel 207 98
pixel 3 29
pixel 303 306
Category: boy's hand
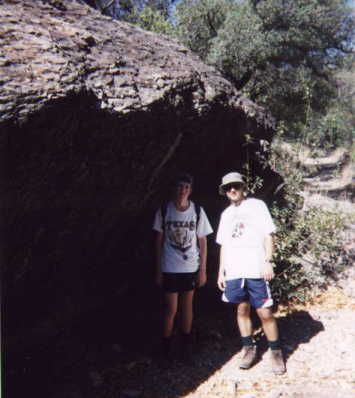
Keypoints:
pixel 268 273
pixel 221 282
pixel 202 278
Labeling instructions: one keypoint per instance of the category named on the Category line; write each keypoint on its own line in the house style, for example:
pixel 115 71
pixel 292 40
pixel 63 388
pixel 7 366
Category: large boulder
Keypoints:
pixel 95 117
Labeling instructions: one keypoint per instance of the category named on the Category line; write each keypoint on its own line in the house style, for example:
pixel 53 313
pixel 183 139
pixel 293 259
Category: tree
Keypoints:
pixel 336 127
pixel 129 10
pixel 112 8
pixel 281 53
pixel 154 20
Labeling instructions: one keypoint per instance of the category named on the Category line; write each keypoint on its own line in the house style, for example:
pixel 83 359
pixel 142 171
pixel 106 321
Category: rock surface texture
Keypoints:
pixel 95 117
pixel 48 53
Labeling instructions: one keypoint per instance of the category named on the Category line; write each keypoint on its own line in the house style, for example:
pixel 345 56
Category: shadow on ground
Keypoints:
pixel 295 328
pixel 114 351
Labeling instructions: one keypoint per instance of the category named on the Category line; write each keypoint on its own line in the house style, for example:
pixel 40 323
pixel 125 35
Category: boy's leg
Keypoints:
pixel 269 323
pixel 171 305
pixel 272 334
pixel 260 297
pixel 170 310
pixel 243 319
pixel 235 292
pixel 186 303
pixel 246 329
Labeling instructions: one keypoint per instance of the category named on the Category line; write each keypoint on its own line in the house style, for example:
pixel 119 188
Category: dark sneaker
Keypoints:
pixel 167 347
pixel 277 362
pixel 187 347
pixel 248 356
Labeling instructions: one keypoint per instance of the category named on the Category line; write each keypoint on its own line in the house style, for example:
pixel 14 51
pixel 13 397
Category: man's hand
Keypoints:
pixel 159 279
pixel 201 278
pixel 268 272
pixel 221 282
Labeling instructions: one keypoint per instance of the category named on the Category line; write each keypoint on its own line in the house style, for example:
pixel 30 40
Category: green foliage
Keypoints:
pixel 130 10
pixel 198 23
pixel 154 20
pixel 330 131
pixel 310 243
pixel 325 131
pixel 336 127
pixel 309 251
pixel 279 52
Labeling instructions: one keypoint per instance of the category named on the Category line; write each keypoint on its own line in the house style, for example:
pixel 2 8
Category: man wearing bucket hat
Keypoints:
pixel 245 237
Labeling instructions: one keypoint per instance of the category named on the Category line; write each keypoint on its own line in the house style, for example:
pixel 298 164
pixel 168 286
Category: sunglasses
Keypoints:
pixel 236 186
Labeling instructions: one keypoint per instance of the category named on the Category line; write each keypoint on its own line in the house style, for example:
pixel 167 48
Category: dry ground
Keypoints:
pixel 319 347
pixel 114 354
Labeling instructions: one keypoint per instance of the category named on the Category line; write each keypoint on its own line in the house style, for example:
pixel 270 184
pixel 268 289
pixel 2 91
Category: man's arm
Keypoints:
pixel 221 281
pixel 268 273
pixel 158 249
pixel 202 274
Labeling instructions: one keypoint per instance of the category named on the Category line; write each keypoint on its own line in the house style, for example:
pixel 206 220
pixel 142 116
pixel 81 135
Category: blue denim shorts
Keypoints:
pixel 255 291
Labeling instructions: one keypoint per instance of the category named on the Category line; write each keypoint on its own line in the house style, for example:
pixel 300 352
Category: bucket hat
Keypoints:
pixel 230 178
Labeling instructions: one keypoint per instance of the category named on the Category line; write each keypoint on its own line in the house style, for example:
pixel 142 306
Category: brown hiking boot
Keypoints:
pixel 248 356
pixel 277 362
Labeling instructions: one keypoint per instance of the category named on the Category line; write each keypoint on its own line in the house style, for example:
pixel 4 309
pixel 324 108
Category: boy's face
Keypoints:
pixel 235 192
pixel 183 190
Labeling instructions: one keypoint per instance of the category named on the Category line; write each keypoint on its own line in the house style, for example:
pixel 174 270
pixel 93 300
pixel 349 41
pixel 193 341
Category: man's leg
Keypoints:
pixel 244 320
pixel 272 334
pixel 246 329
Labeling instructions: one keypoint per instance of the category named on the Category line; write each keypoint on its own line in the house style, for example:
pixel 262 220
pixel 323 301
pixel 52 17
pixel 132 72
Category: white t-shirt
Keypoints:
pixel 241 232
pixel 180 251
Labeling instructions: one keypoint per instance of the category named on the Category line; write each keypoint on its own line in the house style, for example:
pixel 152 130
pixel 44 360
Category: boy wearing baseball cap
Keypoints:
pixel 181 254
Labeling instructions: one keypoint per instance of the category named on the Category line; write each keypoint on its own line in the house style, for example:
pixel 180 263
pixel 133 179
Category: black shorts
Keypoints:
pixel 179 281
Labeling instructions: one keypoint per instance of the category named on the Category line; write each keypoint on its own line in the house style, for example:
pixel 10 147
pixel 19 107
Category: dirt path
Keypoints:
pixel 319 345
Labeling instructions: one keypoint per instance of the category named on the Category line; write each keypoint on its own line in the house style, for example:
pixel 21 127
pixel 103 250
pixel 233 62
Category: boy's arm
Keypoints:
pixel 202 274
pixel 158 249
pixel 221 281
pixel 268 273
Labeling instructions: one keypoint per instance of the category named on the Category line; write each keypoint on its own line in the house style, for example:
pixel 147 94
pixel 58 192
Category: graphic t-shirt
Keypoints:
pixel 241 232
pixel 180 251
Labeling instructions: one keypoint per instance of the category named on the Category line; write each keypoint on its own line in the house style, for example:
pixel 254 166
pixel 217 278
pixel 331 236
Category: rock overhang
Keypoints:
pixel 47 53
pixel 95 115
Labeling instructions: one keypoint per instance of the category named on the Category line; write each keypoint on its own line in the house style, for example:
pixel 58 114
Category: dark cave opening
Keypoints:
pixel 80 187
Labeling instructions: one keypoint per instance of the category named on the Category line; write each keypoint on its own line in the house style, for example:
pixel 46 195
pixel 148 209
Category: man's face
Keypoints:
pixel 234 192
pixel 183 190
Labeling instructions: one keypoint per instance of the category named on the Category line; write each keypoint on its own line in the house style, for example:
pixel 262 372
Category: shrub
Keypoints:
pixel 310 251
pixel 310 244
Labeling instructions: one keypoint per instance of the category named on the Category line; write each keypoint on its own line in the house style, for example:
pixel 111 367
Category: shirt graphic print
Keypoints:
pixel 238 230
pixel 241 232
pixel 180 252
pixel 180 235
